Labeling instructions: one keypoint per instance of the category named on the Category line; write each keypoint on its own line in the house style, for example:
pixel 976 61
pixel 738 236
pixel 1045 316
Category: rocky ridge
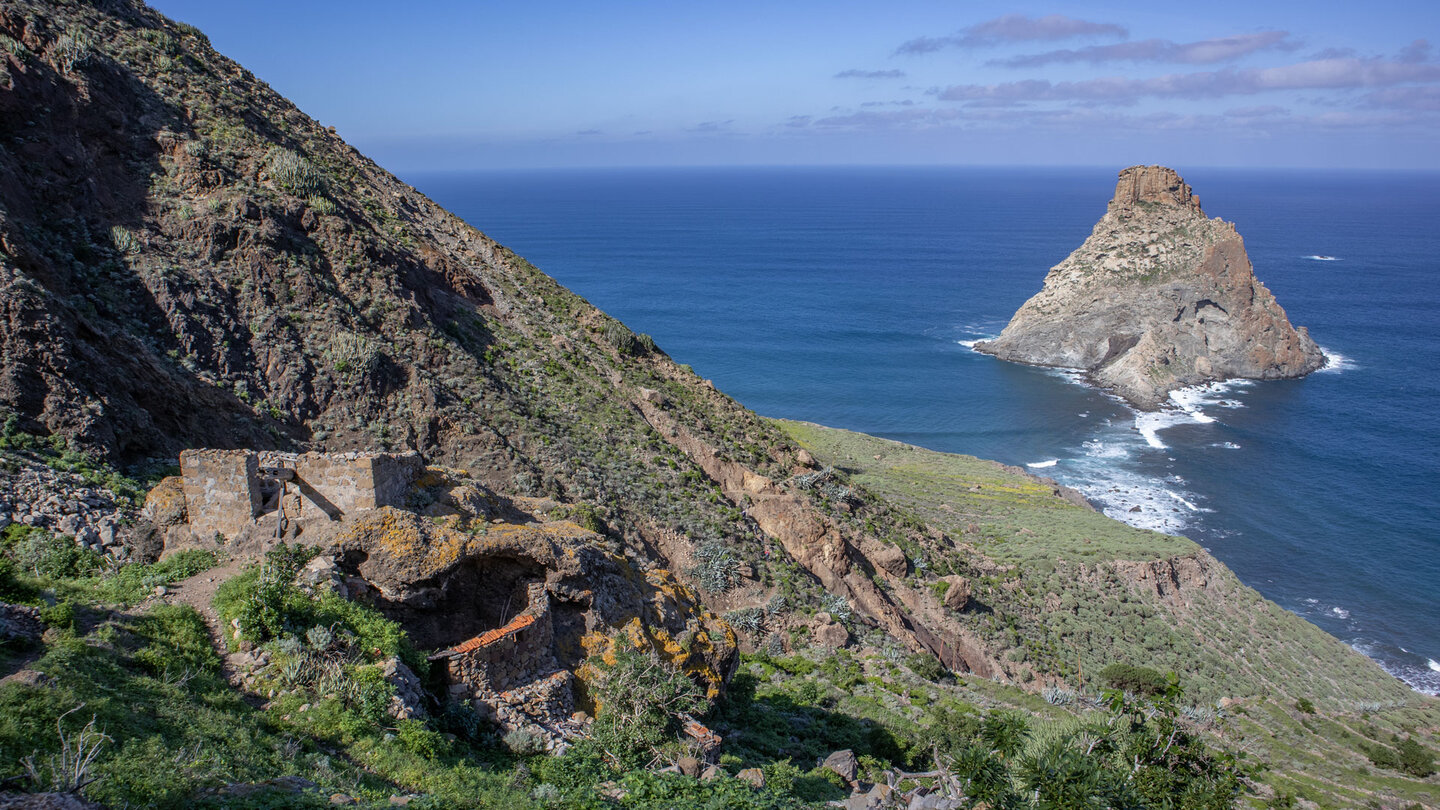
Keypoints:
pixel 1159 297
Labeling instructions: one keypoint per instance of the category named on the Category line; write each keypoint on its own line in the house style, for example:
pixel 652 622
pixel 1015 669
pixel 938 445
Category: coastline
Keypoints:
pixel 1129 500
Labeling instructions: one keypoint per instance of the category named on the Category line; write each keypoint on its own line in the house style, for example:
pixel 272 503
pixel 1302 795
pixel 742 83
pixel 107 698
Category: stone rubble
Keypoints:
pixel 33 494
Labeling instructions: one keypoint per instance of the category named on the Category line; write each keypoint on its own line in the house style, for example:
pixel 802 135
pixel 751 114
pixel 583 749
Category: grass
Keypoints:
pixel 1011 518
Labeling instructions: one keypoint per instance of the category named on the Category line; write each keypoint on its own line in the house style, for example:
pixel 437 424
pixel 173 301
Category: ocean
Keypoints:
pixel 850 297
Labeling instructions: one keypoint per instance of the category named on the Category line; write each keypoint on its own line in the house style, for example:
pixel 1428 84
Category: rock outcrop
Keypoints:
pixel 1158 298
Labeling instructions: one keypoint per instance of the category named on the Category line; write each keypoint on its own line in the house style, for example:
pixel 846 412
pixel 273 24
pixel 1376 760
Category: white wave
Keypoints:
pixel 1339 612
pixel 970 344
pixel 1226 445
pixel 1336 362
pixel 1140 500
pixel 1422 679
pixel 1316 257
pixel 1094 448
pixel 1150 425
pixel 1039 464
pixel 1192 507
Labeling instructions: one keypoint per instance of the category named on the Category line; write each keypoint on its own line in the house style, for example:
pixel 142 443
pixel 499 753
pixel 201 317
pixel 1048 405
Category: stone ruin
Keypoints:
pixel 509 601
pixel 228 492
pixel 510 674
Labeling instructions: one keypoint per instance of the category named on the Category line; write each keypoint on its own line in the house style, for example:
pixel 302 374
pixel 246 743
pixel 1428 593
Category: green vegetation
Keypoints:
pixel 269 607
pixel 1016 519
pixel 17 446
pixel 34 561
pixel 1130 678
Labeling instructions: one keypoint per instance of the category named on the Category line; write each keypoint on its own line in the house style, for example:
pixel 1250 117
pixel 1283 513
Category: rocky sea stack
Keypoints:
pixel 1158 298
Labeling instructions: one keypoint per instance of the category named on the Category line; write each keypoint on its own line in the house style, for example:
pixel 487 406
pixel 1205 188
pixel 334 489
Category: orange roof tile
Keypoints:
pixel 491 636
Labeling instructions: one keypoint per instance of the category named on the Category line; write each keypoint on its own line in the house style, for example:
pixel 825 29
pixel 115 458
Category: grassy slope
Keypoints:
pixel 1068 588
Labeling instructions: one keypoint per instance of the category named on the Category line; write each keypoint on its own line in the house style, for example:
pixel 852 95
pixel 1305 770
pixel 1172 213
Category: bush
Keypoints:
pixel 525 741
pixel 926 666
pixel 294 172
pixel 60 615
pixel 640 698
pixel 1137 680
pixel 1416 759
pixel 1305 706
pixel 624 341
pixel 716 569
pixel 53 556
pixel 12 588
pixel 262 599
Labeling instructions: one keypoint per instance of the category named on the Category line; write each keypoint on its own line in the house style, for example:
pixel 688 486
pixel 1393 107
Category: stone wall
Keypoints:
pixel 222 490
pixel 506 661
pixel 335 484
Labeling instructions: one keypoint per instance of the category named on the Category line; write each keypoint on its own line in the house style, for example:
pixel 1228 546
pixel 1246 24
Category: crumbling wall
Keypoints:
pixel 510 673
pixel 336 484
pixel 222 490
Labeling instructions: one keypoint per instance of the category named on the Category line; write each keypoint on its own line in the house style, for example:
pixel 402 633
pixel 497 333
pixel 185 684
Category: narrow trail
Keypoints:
pixel 198 592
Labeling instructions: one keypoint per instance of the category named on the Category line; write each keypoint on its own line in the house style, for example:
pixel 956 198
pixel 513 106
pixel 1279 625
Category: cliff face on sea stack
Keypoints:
pixel 1158 298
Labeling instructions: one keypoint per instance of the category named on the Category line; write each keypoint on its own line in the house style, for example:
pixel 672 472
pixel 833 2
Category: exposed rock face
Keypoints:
pixel 1158 298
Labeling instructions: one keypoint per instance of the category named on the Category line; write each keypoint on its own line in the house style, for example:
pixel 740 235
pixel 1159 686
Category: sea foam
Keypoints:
pixel 1335 362
pixel 1039 464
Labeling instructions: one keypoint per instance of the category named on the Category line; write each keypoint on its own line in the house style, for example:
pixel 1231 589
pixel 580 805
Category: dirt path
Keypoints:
pixel 198 592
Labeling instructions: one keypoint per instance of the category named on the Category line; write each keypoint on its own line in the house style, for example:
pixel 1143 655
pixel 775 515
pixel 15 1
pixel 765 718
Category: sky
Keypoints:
pixel 453 84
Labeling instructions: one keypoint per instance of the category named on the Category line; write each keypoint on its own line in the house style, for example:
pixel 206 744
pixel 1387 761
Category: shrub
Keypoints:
pixel 12 588
pixel 54 556
pixel 619 335
pixel 1131 678
pixel 294 172
pixel 750 620
pixel 716 569
pixel 1305 706
pixel 526 741
pixel 124 241
pixel 60 615
pixel 640 699
pixel 1416 759
pixel 71 49
pixel 1383 756
pixel 838 607
pixel 321 204
pixel 926 666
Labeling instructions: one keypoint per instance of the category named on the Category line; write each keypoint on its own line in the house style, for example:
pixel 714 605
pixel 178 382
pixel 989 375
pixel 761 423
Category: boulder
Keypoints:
pixel 829 633
pixel 957 596
pixel 690 766
pixel 844 763
pixel 754 776
pixel 886 557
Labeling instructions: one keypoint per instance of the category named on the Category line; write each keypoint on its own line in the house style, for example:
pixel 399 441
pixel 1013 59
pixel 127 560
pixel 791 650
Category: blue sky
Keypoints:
pixel 433 85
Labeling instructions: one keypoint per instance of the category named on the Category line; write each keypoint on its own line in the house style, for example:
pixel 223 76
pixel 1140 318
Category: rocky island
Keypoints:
pixel 1158 298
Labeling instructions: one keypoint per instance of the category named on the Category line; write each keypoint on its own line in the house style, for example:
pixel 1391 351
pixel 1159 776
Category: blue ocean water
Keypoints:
pixel 849 297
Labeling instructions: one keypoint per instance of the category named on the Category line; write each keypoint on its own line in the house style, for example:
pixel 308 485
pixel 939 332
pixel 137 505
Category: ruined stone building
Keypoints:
pixel 227 491
pixel 510 673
